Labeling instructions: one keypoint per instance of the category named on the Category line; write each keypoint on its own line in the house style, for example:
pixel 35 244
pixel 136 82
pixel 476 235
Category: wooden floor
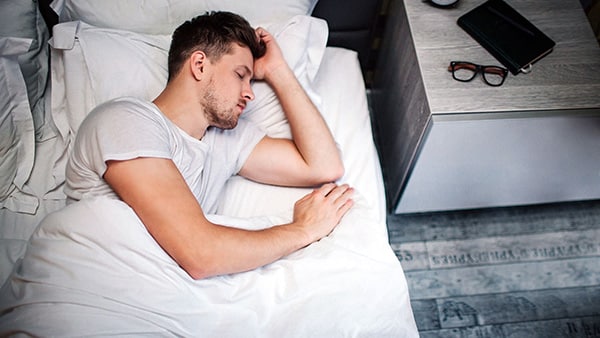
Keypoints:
pixel 503 272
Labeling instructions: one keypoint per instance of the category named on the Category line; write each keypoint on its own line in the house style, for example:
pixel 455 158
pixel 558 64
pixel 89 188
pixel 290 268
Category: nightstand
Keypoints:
pixel 448 145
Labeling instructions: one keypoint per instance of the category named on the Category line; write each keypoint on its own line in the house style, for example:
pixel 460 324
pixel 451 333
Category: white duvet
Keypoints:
pixel 107 276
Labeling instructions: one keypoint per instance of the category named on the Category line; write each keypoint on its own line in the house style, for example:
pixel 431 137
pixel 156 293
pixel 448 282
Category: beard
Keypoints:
pixel 217 115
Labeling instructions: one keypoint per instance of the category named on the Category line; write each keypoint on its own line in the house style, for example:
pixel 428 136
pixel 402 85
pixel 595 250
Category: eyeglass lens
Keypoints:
pixel 465 71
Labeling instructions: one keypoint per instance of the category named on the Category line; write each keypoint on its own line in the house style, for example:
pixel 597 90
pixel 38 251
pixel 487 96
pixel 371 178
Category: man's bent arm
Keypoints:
pixel 313 157
pixel 156 191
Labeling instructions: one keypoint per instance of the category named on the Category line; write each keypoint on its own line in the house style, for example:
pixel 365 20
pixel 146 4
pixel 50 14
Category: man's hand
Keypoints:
pixel 319 212
pixel 273 58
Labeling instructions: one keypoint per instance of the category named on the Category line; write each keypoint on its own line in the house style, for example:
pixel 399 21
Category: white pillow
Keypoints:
pixel 91 65
pixel 302 40
pixel 163 16
pixel 17 140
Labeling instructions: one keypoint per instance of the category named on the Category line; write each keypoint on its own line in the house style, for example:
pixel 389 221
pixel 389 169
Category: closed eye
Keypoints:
pixel 243 71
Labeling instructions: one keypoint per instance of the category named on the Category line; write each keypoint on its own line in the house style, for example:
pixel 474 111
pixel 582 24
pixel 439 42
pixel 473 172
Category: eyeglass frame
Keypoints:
pixel 479 69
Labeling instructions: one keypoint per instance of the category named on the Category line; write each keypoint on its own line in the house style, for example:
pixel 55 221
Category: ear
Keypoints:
pixel 197 62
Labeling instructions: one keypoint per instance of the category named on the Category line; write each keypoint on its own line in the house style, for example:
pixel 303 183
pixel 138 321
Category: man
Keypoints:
pixel 169 159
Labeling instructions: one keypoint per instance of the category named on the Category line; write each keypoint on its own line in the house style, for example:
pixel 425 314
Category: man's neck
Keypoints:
pixel 183 110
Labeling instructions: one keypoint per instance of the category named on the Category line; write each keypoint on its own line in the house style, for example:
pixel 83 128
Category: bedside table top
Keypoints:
pixel 566 79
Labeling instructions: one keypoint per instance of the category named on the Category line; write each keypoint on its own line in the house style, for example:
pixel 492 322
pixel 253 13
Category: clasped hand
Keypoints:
pixel 273 58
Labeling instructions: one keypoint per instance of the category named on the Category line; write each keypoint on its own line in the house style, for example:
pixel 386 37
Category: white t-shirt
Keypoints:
pixel 128 128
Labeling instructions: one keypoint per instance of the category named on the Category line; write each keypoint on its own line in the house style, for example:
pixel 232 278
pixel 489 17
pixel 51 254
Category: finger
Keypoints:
pixel 344 198
pixel 325 189
pixel 340 191
pixel 320 192
pixel 261 32
pixel 345 207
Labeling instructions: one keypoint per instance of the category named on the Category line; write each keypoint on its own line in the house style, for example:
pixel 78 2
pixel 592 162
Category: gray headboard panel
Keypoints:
pixel 352 24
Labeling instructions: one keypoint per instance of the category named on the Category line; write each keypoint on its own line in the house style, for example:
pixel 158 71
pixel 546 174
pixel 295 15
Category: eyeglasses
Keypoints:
pixel 466 71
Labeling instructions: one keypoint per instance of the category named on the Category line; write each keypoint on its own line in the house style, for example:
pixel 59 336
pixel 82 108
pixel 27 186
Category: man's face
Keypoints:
pixel 228 89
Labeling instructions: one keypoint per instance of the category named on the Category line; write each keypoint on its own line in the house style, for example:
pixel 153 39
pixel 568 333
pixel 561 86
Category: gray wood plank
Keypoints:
pixel 412 255
pixel 567 328
pixel 510 249
pixel 497 250
pixel 442 283
pixel 507 221
pixel 516 307
pixel 426 314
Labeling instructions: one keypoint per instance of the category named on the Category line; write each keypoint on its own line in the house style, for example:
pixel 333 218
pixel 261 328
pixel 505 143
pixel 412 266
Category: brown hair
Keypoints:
pixel 213 33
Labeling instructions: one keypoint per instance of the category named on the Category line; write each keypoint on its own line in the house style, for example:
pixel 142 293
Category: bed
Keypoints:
pixel 349 284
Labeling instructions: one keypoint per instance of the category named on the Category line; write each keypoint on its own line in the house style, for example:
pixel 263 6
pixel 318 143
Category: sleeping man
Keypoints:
pixel 164 163
pixel 169 159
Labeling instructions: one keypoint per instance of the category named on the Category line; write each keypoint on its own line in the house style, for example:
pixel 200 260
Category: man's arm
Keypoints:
pixel 156 191
pixel 312 157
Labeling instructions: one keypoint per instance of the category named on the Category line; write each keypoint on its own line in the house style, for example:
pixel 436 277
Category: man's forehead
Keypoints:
pixel 240 56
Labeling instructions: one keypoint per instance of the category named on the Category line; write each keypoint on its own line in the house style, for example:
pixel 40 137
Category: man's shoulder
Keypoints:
pixel 125 102
pixel 123 107
pixel 123 110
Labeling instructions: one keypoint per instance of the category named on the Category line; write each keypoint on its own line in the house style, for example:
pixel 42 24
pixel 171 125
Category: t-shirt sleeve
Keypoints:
pixel 250 137
pixel 234 146
pixel 120 131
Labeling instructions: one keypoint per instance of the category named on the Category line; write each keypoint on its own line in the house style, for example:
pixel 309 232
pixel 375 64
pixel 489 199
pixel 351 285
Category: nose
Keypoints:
pixel 247 92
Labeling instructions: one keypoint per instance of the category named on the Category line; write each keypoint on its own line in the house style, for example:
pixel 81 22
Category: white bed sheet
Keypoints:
pixel 117 280
pixel 46 189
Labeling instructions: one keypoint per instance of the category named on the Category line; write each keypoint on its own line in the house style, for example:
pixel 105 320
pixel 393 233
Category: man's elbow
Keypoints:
pixel 196 272
pixel 332 173
pixel 338 172
pixel 201 266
